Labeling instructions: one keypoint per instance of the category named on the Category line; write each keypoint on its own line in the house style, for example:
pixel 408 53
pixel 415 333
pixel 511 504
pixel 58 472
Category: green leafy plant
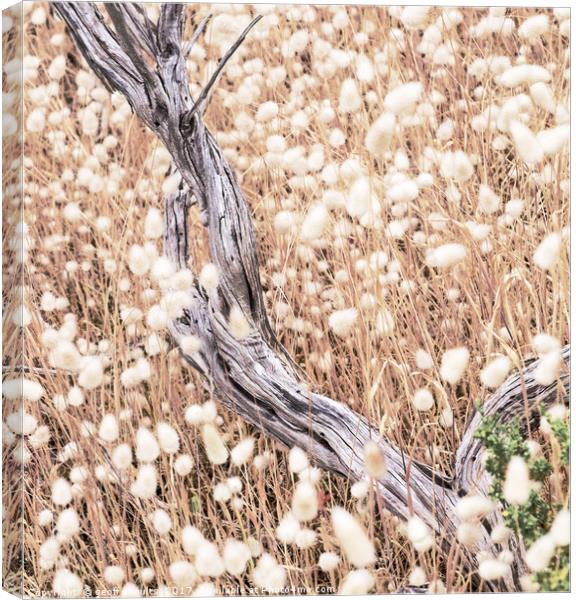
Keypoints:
pixel 561 431
pixel 532 519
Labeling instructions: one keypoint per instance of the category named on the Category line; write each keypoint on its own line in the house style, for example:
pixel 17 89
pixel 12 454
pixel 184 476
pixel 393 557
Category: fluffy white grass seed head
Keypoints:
pixel 68 523
pixel 276 144
pixel 311 474
pixel 261 461
pixel 315 222
pixel 236 556
pixel 285 221
pixel 109 429
pixel 287 529
pixel 208 561
pixel 500 534
pixel 528 583
pixel 454 364
pixel 209 276
pixel 533 27
pixel 560 530
pixel 239 325
pixel 403 98
pixel 194 415
pixel 138 261
pixel 67 584
pixel 130 590
pixel 161 521
pixel 168 438
pixel 374 460
pixel 305 501
pixel 380 134
pixel 384 323
pixel 403 192
pixel 209 411
pixel 526 143
pixel 542 96
pixel 328 561
pixel 468 534
pixel 548 369
pixel 471 508
pixel 214 445
pixel 540 553
pixel 297 460
pixel 523 74
pixel 190 344
pixel 65 356
pixel 153 224
pixel 445 130
pixel 423 360
pixel 554 140
pixel 75 396
pixel 147 447
pixel 183 573
pixel 114 574
pixel 146 575
pixel 162 268
pixel 234 484
pixel 242 452
pixel 171 184
pixel 49 552
pixel 356 583
pixel 45 517
pixel 446 255
pixel 21 422
pixel 61 492
pixel 361 199
pixel 122 457
pixel 342 321
pixel 488 201
pixel 516 488
pixel 414 17
pixel 360 489
pixel 495 372
pixel 267 111
pixel 547 254
pixel 419 534
pixel 182 280
pixel 457 166
pixel 352 538
pixel 221 493
pixel 92 374
pixel 36 120
pixel 155 345
pixel 423 400
pixel 146 481
pixel 350 100
pixel 192 540
pixel 269 575
pixel 417 577
pixel 492 569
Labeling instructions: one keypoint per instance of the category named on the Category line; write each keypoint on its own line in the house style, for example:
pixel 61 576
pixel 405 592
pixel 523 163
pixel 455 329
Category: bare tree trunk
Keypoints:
pixel 254 376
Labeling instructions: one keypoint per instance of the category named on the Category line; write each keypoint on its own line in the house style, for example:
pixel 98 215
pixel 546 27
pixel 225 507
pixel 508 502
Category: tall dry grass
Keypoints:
pixel 492 302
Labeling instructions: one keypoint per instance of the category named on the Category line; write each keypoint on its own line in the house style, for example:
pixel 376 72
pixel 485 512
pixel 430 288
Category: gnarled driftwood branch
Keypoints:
pixel 254 376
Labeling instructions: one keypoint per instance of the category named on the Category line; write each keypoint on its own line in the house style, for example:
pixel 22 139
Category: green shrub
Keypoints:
pixel 532 519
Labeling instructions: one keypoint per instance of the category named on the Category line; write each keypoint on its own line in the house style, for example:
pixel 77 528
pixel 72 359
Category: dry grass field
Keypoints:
pixel 408 176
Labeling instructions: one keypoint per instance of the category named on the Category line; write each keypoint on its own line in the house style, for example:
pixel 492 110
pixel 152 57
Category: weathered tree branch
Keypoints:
pixel 254 376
